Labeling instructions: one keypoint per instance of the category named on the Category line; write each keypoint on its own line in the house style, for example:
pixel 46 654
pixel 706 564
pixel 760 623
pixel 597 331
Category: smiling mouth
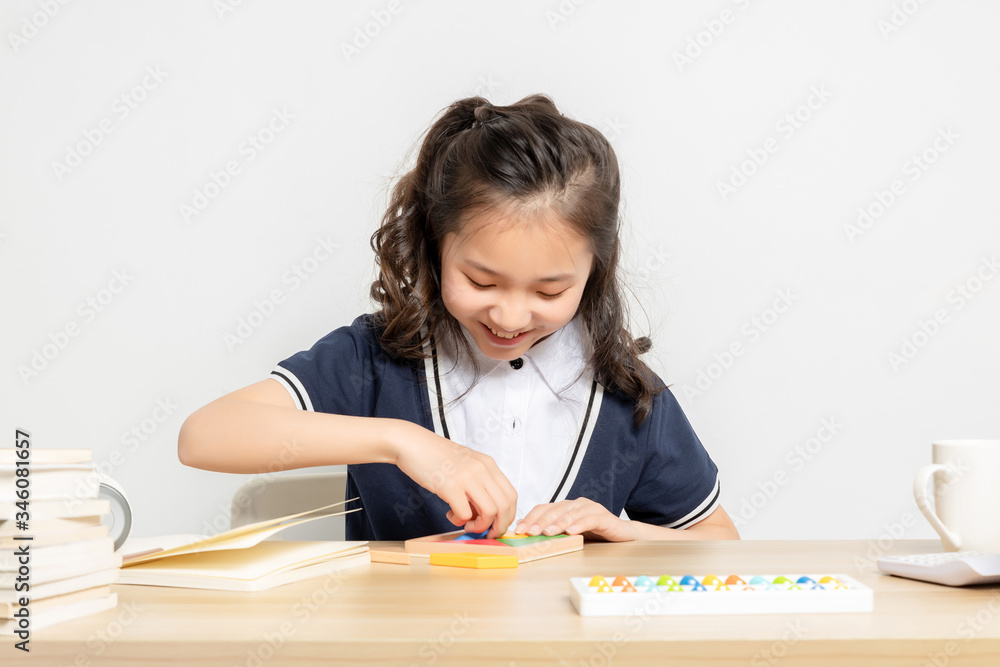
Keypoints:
pixel 502 335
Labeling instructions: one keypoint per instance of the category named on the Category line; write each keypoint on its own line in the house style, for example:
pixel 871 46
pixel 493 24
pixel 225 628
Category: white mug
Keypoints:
pixel 965 506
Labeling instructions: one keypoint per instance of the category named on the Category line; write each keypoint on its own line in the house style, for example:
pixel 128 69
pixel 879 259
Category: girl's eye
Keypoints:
pixel 544 295
pixel 477 285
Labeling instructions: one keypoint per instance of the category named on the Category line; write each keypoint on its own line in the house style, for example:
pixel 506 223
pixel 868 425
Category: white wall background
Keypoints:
pixel 141 102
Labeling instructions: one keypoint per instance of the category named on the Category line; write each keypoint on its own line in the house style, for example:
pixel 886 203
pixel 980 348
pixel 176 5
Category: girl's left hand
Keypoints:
pixel 574 517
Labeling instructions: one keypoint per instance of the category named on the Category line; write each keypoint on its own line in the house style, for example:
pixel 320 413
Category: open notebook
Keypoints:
pixel 240 559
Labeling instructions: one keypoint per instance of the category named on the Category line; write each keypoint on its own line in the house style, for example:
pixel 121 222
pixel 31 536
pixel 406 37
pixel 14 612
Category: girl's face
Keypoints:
pixel 512 282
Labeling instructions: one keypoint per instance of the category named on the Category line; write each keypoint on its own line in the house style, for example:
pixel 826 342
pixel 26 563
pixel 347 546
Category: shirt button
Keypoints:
pixel 517 363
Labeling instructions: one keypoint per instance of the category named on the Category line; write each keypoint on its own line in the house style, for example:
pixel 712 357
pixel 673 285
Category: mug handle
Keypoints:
pixel 926 503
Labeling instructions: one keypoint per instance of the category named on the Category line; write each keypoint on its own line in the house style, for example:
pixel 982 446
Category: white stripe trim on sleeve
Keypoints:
pixel 706 507
pixel 294 388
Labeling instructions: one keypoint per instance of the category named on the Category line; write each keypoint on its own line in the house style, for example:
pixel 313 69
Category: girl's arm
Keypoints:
pixel 258 429
pixel 583 515
pixel 716 526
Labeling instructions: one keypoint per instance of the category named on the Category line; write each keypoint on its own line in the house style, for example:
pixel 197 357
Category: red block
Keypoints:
pixel 490 543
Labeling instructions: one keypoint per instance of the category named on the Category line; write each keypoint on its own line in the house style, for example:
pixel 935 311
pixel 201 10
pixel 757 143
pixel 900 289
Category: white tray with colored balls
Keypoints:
pixel 667 595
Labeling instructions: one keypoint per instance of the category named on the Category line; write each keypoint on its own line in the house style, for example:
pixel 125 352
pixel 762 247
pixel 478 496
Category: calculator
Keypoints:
pixel 957 568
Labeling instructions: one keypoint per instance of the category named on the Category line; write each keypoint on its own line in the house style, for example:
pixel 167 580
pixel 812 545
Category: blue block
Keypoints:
pixel 473 536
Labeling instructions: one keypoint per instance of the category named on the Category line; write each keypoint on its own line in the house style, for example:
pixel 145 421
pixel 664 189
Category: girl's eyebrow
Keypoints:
pixel 548 279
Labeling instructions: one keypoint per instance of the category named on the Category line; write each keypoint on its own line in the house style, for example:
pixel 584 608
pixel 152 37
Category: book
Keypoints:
pixel 43 618
pixel 49 526
pixel 256 568
pixel 51 481
pixel 41 574
pixel 61 586
pixel 46 539
pixel 7 609
pixel 56 555
pixel 57 508
pixel 240 559
pixel 66 568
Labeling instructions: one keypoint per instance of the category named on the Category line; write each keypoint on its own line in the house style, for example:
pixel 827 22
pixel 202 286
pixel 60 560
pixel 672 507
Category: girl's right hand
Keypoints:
pixel 479 494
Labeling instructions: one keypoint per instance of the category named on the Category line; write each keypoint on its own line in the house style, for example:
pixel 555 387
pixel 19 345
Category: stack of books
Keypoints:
pixel 57 561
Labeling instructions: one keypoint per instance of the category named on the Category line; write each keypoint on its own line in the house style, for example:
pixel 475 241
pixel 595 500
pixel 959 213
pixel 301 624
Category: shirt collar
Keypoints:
pixel 562 357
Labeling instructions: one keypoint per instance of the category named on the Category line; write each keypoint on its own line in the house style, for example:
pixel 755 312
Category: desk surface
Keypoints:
pixel 428 615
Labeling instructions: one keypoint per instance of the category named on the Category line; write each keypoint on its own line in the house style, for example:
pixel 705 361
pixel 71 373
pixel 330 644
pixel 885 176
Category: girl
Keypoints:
pixel 496 385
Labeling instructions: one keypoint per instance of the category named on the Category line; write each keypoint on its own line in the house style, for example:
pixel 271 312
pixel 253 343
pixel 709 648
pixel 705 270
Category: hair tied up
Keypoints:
pixel 486 113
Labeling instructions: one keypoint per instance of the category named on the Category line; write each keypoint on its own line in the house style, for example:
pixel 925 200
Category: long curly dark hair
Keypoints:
pixel 477 157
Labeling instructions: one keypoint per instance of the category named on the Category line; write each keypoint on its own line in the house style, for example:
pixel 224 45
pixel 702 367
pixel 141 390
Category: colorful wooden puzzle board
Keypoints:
pixel 667 595
pixel 525 547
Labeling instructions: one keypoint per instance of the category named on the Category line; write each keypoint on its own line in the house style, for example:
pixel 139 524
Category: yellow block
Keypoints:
pixel 474 560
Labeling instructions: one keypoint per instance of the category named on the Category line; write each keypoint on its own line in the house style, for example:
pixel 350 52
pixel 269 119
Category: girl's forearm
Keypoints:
pixel 241 436
pixel 646 531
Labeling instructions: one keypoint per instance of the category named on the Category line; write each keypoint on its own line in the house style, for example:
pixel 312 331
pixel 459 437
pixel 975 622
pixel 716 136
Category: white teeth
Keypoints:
pixel 500 335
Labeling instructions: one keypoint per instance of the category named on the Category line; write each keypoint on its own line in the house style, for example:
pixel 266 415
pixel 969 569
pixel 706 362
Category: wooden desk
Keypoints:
pixel 423 615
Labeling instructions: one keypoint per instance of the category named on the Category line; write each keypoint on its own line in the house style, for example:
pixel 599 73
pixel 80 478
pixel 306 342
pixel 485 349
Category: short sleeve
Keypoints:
pixel 335 374
pixel 679 483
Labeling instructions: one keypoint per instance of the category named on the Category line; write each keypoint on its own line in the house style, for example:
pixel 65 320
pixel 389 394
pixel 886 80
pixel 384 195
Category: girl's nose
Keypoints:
pixel 511 314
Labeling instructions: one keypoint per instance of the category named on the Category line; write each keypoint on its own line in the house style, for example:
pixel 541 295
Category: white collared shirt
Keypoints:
pixel 528 419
